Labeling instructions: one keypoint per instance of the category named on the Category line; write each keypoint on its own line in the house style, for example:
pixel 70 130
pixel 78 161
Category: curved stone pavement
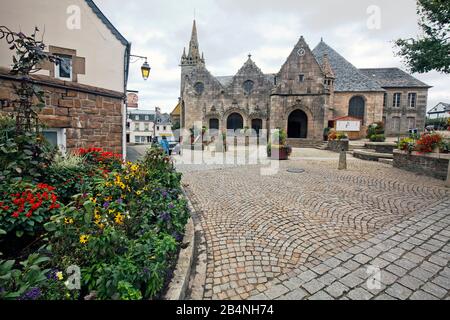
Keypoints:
pixel 259 230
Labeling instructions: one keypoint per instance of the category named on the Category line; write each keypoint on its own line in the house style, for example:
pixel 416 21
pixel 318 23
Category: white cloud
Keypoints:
pixel 230 29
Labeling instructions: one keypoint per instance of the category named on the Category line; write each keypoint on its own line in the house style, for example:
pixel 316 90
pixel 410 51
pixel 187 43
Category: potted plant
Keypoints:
pixel 280 151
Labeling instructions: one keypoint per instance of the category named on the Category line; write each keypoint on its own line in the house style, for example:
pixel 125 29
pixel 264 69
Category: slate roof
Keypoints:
pixel 163 119
pixel 226 80
pixel 393 78
pixel 348 77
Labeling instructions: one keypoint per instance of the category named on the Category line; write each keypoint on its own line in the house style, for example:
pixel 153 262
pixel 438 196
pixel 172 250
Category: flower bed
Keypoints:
pixel 119 224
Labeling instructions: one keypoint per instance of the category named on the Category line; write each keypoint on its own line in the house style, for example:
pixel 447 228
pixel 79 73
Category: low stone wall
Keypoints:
pixel 381 147
pixel 430 164
pixel 91 116
pixel 338 145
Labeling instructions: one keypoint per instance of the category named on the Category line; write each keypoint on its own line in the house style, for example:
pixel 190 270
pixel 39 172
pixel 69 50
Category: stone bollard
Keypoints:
pixel 342 160
pixel 447 182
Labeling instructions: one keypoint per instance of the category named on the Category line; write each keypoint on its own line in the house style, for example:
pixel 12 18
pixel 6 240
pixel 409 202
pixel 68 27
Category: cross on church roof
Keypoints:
pixel 249 55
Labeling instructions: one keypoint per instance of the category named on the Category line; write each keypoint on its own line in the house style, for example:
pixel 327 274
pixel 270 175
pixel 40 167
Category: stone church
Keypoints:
pixel 312 88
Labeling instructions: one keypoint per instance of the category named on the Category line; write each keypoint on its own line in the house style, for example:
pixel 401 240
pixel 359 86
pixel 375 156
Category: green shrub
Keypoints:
pixel 22 157
pixel 377 138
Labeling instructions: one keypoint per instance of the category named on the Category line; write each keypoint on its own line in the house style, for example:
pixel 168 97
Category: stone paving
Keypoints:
pixel 313 235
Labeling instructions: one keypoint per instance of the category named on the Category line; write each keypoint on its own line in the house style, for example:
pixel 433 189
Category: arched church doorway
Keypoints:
pixel 235 122
pixel 356 107
pixel 298 125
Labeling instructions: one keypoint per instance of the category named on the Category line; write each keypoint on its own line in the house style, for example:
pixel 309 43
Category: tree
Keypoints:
pixel 431 50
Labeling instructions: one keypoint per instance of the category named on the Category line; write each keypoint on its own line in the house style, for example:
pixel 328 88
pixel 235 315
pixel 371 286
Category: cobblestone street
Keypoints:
pixel 312 235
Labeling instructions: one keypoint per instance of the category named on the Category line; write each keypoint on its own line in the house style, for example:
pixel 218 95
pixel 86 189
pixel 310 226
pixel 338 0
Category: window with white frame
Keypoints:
pixel 396 100
pixel 63 69
pixel 145 126
pixel 146 118
pixel 56 137
pixel 412 98
pixel 136 118
pixel 137 126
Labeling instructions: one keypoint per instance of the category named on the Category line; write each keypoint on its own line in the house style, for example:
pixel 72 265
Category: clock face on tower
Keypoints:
pixel 301 52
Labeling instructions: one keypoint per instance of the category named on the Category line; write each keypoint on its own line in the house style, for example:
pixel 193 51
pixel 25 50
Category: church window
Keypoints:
pixel 248 86
pixel 199 87
pixel 275 80
pixel 301 78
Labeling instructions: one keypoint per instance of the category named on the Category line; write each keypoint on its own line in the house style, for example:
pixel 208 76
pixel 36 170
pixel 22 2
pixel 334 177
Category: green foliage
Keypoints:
pixel 24 207
pixel 22 156
pixel 377 138
pixel 32 280
pixel 431 50
pixel 407 144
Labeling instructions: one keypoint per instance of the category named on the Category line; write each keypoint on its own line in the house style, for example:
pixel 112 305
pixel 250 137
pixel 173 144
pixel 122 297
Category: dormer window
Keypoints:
pixel 63 69
pixel 301 78
pixel 248 86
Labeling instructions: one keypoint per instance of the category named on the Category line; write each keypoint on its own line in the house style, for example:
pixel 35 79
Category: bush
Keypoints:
pixel 407 144
pixel 24 207
pixel 124 234
pixel 72 175
pixel 22 157
pixel 105 160
pixel 376 128
pixel 377 138
pixel 334 135
pixel 428 142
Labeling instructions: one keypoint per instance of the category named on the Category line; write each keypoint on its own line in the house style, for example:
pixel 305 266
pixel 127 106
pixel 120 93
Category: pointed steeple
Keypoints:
pixel 193 57
pixel 193 44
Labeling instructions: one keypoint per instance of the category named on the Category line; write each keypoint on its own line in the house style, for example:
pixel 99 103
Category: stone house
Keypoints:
pixel 312 88
pixel 85 94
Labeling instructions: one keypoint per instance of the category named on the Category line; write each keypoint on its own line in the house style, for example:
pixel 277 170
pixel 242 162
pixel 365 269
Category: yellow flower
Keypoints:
pixel 139 192
pixel 122 185
pixel 119 218
pixel 93 200
pixel 68 220
pixel 134 167
pixel 84 239
pixel 59 275
pixel 108 184
pixel 111 211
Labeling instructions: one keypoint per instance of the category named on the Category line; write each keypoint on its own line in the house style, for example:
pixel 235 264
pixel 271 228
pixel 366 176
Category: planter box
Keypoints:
pixel 430 164
pixel 381 147
pixel 337 145
pixel 280 153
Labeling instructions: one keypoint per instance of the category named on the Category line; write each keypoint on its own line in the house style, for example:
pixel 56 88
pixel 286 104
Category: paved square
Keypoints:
pixel 260 232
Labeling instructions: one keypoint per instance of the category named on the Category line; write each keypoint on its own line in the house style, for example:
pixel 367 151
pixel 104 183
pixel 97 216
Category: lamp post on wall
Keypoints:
pixel 145 72
pixel 145 68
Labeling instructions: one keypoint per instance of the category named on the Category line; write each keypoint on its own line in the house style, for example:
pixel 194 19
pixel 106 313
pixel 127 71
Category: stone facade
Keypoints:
pixel 91 117
pixel 312 88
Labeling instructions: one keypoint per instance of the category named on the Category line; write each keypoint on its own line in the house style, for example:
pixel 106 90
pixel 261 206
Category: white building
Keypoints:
pixel 140 126
pixel 85 92
pixel 440 111
pixel 163 125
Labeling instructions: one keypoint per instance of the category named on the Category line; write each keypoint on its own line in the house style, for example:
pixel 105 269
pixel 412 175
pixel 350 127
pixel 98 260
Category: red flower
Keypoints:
pixel 15 215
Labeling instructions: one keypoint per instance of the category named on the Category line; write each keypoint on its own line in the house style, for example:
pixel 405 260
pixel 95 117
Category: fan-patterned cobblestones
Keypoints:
pixel 261 232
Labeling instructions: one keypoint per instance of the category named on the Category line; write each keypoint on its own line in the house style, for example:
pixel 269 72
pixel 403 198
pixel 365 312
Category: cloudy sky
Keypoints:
pixel 229 30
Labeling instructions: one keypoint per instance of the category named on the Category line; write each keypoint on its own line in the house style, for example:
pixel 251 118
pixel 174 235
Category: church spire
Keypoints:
pixel 193 57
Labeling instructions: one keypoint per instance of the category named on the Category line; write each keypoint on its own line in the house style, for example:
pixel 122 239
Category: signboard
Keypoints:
pixel 348 125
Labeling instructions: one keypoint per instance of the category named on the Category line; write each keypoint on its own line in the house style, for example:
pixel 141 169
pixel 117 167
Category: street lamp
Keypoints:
pixel 145 68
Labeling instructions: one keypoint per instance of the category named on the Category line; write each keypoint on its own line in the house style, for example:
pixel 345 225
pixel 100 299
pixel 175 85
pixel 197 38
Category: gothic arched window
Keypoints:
pixel 248 86
pixel 199 87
